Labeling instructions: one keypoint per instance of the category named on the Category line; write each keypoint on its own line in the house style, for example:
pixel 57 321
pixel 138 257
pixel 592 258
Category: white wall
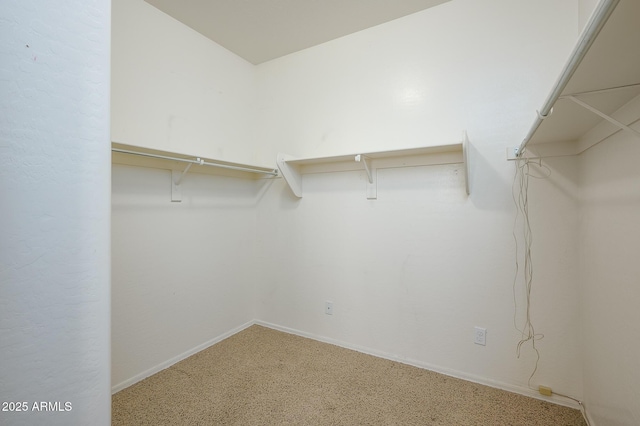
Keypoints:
pixel 175 90
pixel 413 272
pixel 182 272
pixel 417 81
pixel 609 236
pixel 585 9
pixel 54 197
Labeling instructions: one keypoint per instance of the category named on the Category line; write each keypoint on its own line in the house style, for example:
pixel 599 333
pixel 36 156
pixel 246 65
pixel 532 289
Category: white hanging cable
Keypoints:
pixel 520 192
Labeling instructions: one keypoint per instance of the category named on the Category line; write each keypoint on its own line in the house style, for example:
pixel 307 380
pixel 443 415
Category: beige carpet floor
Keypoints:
pixel 265 377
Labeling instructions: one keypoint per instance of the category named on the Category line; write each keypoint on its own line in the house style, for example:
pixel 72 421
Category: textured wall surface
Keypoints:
pixel 413 272
pixel 175 90
pixel 183 273
pixel 54 201
pixel 609 271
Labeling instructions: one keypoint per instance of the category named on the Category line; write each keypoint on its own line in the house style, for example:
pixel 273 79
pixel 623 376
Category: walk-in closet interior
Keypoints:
pixel 457 189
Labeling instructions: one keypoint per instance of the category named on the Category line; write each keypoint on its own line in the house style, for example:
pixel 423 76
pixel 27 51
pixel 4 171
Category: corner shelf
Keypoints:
pixel 292 168
pixel 179 164
pixel 598 92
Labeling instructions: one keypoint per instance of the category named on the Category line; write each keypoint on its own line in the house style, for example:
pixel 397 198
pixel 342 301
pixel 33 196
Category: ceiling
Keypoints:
pixel 261 30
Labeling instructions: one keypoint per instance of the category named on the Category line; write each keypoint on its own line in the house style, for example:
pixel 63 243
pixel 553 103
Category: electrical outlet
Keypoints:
pixel 328 308
pixel 480 336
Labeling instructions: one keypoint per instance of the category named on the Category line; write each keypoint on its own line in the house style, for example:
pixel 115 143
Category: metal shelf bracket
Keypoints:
pixel 372 183
pixel 603 115
pixel 176 179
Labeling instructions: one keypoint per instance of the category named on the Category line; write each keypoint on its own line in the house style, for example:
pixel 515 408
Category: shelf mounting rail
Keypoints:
pixel 592 29
pixel 199 161
pixel 177 175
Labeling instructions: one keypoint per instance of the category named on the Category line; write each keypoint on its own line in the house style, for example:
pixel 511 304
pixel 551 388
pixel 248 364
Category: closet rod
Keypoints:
pixel 203 163
pixel 591 31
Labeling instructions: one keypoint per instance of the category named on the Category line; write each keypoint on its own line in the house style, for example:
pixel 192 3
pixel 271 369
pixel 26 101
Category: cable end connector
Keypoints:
pixel 545 390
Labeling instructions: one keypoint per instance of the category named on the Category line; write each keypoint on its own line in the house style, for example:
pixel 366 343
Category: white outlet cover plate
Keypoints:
pixel 480 336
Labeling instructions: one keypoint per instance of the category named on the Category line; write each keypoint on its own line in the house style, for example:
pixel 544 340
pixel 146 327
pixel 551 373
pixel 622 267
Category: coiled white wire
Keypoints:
pixel 520 193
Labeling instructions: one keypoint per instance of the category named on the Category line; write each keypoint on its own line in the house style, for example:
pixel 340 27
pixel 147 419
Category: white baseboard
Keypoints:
pixel 420 364
pixel 156 369
pixel 588 418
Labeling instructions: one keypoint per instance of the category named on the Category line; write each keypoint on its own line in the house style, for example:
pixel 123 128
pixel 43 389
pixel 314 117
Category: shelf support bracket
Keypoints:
pixel 603 115
pixel 291 174
pixel 176 190
pixel 176 179
pixel 372 184
pixel 465 160
pixel 367 165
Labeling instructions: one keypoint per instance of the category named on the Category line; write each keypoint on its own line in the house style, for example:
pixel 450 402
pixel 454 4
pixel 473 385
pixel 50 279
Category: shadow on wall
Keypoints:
pixel 487 188
pixel 135 187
